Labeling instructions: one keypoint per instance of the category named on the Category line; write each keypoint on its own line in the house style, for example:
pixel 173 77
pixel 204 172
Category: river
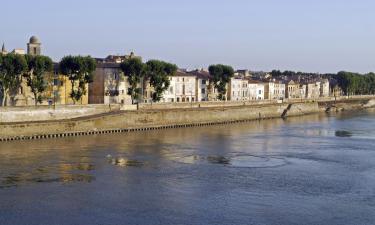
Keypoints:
pixel 317 169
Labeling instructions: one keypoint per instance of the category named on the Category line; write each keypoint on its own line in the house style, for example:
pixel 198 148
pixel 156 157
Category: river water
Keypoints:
pixel 317 169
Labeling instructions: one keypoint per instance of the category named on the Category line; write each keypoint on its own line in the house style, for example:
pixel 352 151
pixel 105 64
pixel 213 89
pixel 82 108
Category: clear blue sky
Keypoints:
pixel 306 35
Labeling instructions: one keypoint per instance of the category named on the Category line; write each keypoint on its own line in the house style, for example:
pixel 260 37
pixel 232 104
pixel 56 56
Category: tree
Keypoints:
pixel 134 69
pixel 38 66
pixel 158 73
pixel 78 69
pixel 221 76
pixel 12 66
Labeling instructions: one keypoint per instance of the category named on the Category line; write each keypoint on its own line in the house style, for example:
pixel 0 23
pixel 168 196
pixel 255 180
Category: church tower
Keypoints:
pixel 3 50
pixel 34 46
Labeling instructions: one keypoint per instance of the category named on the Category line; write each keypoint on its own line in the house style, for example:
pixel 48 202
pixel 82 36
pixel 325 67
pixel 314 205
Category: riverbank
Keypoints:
pixel 151 119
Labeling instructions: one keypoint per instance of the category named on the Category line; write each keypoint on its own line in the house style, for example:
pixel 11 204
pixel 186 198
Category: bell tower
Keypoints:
pixel 34 46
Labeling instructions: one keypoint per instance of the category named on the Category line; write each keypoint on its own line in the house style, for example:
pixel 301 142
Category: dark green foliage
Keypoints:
pixel 78 69
pixel 134 69
pixel 221 76
pixel 38 66
pixel 158 73
pixel 12 67
pixel 355 83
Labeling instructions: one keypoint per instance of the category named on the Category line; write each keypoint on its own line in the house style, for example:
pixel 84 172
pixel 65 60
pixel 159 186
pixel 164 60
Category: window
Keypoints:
pixel 178 99
pixel 35 51
pixel 203 81
pixel 203 91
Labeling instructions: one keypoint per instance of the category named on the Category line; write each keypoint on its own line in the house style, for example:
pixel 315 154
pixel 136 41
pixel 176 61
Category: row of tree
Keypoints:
pixel 15 68
pixel 355 83
pixel 157 74
pixel 79 70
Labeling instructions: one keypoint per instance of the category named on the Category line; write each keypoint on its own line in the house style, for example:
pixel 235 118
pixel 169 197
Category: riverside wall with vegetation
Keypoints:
pixel 150 119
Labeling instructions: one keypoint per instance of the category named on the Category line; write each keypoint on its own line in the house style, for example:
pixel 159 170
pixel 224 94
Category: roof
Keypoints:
pixel 201 74
pixel 182 73
pixel 34 40
pixel 107 65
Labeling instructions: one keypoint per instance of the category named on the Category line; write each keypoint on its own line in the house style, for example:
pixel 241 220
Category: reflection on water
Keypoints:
pixel 60 173
pixel 302 170
pixel 218 160
pixel 123 162
pixel 343 133
pixel 257 162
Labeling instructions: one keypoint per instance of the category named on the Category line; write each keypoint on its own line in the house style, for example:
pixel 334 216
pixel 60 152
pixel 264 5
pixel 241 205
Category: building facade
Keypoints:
pixel 182 88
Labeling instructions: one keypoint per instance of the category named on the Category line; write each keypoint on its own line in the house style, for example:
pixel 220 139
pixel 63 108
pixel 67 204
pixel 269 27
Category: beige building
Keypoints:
pixel 109 86
pixel 324 88
pixel 274 90
pixel 313 90
pixel 202 84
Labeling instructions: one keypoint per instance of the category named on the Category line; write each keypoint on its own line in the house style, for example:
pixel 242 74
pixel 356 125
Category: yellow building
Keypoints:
pixel 62 87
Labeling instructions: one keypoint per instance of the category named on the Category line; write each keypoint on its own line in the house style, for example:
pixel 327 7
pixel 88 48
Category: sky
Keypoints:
pixel 300 35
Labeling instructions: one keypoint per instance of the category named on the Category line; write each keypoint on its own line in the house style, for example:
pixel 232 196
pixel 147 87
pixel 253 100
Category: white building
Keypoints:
pixel 182 88
pixel 238 89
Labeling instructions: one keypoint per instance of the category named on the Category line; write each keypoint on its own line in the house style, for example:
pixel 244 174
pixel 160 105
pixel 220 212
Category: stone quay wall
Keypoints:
pixel 49 113
pixel 126 121
pixel 21 123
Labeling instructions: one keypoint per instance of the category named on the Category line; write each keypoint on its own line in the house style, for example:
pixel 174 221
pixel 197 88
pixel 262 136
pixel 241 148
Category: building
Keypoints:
pixel 255 90
pixel 109 86
pixel 242 73
pixel 182 88
pixel 313 90
pixel 3 50
pixel 202 84
pixel 324 88
pixel 295 90
pixel 274 90
pixel 62 88
pixel 34 46
pixel 237 89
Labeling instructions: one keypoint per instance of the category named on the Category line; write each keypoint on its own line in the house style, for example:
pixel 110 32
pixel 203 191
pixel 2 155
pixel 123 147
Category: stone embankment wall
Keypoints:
pixel 125 121
pixel 49 113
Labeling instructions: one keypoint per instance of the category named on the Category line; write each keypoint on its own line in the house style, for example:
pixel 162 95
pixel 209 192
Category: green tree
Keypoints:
pixel 12 67
pixel 134 69
pixel 78 69
pixel 158 73
pixel 221 76
pixel 38 66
